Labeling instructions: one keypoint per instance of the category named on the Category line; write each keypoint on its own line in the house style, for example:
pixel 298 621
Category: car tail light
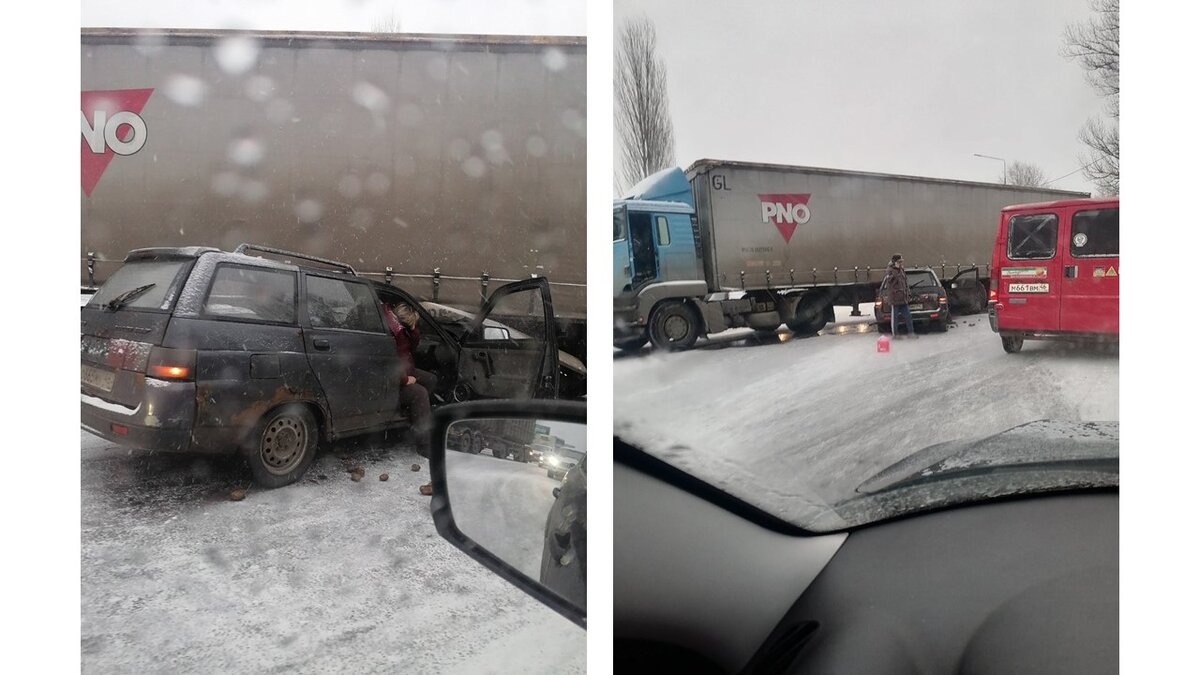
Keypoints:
pixel 933 316
pixel 120 429
pixel 172 364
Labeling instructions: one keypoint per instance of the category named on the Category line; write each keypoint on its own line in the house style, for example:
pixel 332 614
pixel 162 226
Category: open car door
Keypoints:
pixel 511 350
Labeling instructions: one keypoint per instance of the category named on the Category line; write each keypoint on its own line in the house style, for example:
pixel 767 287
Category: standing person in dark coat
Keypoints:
pixel 417 383
pixel 894 289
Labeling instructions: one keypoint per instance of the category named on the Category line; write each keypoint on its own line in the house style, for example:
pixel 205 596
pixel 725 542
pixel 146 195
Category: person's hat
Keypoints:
pixel 897 257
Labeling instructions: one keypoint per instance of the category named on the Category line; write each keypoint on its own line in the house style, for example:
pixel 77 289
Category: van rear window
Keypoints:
pixel 1032 237
pixel 159 278
pixel 1095 233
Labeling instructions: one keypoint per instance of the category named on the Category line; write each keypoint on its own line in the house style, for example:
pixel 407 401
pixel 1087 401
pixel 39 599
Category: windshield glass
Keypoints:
pixel 922 279
pixel 160 280
pixel 770 350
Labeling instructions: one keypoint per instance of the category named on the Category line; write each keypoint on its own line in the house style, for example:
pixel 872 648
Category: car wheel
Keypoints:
pixel 632 344
pixel 674 326
pixel 1012 344
pixel 283 446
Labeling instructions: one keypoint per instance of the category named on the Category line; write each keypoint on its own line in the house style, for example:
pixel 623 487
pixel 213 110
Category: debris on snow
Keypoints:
pixel 427 489
pixel 237 495
pixel 416 467
pixel 383 477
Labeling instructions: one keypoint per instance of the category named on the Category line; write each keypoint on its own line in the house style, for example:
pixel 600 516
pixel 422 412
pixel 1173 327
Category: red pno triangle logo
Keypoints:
pixel 110 124
pixel 786 211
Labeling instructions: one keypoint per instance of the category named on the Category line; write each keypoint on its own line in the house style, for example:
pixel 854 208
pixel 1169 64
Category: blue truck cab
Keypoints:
pixel 656 256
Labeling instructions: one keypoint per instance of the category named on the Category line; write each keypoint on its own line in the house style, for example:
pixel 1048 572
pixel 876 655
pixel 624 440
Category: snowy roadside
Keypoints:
pixel 327 575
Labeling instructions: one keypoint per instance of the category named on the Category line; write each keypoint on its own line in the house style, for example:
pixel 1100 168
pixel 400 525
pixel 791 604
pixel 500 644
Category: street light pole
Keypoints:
pixel 998 159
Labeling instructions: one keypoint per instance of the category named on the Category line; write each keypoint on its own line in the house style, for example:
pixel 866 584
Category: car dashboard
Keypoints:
pixel 1022 585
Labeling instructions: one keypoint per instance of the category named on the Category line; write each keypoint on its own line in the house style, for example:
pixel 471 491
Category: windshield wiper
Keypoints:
pixel 120 301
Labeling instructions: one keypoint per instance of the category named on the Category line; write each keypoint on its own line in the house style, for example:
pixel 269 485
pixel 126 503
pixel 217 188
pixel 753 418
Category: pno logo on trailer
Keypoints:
pixel 110 124
pixel 786 211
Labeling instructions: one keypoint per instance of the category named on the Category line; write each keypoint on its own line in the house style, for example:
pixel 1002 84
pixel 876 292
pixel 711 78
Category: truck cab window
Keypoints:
pixel 645 256
pixel 1032 237
pixel 664 233
pixel 1095 233
pixel 618 225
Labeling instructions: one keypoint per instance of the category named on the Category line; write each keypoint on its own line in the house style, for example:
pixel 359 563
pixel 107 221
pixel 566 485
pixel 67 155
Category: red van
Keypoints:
pixel 1055 272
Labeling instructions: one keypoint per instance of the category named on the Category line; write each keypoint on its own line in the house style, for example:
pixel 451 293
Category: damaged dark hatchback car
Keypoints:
pixel 206 351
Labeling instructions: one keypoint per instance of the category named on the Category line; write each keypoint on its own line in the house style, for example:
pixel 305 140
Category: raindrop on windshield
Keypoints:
pixel 535 146
pixel 554 58
pixel 246 151
pixel 236 55
pixel 474 167
pixel 370 97
pixel 185 90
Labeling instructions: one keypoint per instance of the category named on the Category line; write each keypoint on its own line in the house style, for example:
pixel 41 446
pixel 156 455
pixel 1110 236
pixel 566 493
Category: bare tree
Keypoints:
pixel 1096 45
pixel 644 130
pixel 387 24
pixel 1026 174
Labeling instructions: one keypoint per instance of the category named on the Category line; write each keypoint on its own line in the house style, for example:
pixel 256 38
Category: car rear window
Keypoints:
pixel 165 275
pixel 252 294
pixel 1095 233
pixel 333 303
pixel 1032 237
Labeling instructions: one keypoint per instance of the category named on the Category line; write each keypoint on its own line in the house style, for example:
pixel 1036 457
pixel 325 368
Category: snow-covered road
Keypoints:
pixel 326 575
pixel 809 419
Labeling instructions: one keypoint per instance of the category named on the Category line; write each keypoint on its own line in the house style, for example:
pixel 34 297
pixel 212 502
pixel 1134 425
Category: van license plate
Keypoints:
pixel 1029 288
pixel 98 378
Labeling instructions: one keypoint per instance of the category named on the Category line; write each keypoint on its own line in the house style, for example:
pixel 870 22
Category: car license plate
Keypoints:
pixel 916 306
pixel 98 378
pixel 1029 288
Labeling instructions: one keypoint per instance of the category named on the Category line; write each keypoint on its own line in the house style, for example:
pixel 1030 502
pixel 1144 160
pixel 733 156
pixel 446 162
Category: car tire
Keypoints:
pixel 674 326
pixel 632 344
pixel 283 446
pixel 942 325
pixel 1012 344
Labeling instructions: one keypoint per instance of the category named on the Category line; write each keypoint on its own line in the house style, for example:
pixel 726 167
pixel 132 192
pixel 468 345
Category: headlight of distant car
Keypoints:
pixel 553 461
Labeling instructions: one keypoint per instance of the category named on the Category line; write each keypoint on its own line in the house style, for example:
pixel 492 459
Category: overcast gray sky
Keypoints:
pixel 874 85
pixel 507 17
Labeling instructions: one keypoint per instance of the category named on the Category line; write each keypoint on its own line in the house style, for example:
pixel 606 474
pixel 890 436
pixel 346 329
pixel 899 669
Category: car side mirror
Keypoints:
pixel 490 497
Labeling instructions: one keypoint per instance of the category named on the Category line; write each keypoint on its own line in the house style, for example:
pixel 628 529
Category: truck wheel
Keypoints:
pixel 674 326
pixel 283 446
pixel 1013 344
pixel 811 315
pixel 632 344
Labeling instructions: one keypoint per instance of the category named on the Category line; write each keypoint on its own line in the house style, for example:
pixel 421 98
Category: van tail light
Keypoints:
pixel 172 364
pixel 992 294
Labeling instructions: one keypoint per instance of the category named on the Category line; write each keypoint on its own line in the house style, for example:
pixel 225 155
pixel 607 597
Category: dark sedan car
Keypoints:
pixel 927 301
pixel 201 350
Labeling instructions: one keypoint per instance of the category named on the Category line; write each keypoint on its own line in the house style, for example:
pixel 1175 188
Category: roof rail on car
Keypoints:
pixel 242 248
